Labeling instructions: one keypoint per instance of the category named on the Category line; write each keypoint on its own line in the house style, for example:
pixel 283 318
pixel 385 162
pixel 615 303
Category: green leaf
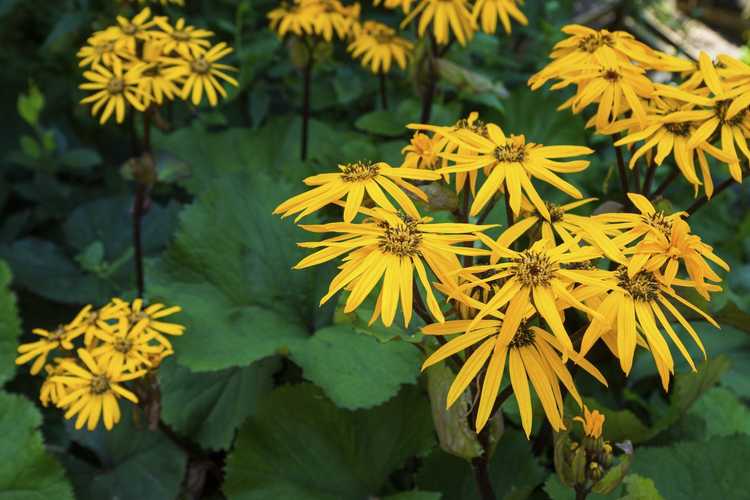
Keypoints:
pixel 137 463
pixel 713 469
pixel 80 158
pixel 28 471
pixel 234 280
pixel 385 123
pixel 640 488
pixel 31 105
pixel 414 495
pixel 514 471
pixel 558 491
pixel 10 326
pixel 723 413
pixel 208 407
pixel 299 446
pixel 344 363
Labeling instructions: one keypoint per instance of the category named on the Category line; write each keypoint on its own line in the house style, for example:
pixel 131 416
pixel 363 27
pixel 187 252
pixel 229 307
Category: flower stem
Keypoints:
pixel 665 184
pixel 306 102
pixel 697 204
pixel 651 170
pixel 383 92
pixel 138 206
pixel 622 171
pixel 428 94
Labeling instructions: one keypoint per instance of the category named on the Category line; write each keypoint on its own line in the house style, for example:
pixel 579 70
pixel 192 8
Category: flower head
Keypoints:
pixel 60 338
pixel 447 17
pixel 114 89
pixel 378 46
pixel 129 31
pixel 202 74
pixel 184 39
pixel 490 10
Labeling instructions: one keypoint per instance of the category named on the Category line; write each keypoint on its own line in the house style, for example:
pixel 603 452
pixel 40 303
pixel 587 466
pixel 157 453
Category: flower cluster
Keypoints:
pixel 507 299
pixel 121 342
pixel 145 61
pixel 321 18
pixel 704 116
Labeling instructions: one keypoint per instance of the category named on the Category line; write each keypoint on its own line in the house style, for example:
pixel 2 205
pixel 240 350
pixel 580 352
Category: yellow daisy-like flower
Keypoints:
pixel 447 17
pixel 126 347
pixel 592 422
pixel 155 81
pixel 93 390
pixel 152 318
pixel 354 180
pixel 537 277
pixel 512 161
pixel 297 18
pixel 53 391
pixel 60 337
pixel 129 31
pixel 184 39
pixel 335 18
pixel 102 49
pixel 378 46
pixel 490 10
pixel 423 152
pixel 93 322
pixel 714 117
pixel 114 90
pixel 532 354
pixel 202 74
pixel 632 309
pixel 404 5
pixel 391 247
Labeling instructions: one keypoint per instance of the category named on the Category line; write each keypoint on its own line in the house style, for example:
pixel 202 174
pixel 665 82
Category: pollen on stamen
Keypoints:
pixel 512 152
pixel 643 287
pixel 533 269
pixel 523 337
pixel 402 240
pixel 359 171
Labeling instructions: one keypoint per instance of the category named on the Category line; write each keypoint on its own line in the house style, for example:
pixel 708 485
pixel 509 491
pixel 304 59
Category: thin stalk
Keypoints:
pixel 306 102
pixel 138 206
pixel 621 169
pixel 697 204
pixel 429 92
pixel 383 92
pixel 674 174
pixel 581 493
pixel 651 170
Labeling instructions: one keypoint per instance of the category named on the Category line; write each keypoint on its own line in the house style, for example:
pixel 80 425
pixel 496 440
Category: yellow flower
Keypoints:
pixel 102 49
pixel 592 422
pixel 422 152
pixel 126 347
pixel 632 309
pixel 391 247
pixel 114 90
pixel 150 319
pixel 92 391
pixel 92 323
pixel 536 278
pixel 354 180
pixel 491 10
pixel 512 161
pixel 155 81
pixel 616 86
pixel 130 31
pixel 446 16
pixel 298 18
pixel 60 337
pixel 404 5
pixel 334 18
pixel 202 73
pixel 53 391
pixel 185 40
pixel 379 46
pixel 715 116
pixel 532 354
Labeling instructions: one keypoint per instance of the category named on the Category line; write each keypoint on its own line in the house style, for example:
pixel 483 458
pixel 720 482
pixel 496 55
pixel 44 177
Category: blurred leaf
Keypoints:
pixel 30 105
pixel 385 123
pixel 80 158
pixel 208 407
pixel 136 463
pixel 344 363
pixel 469 81
pixel 64 32
pixel 723 413
pixel 10 326
pixel 713 469
pixel 514 471
pixel 558 491
pixel 414 495
pixel 28 471
pixel 640 488
pixel 234 279
pixel 299 446
pixel 31 147
pixel 90 258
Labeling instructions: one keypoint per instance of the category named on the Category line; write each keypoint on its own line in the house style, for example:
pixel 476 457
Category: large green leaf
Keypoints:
pixel 354 369
pixel 713 469
pixel 299 446
pixel 208 407
pixel 723 413
pixel 136 463
pixel 28 471
pixel 514 471
pixel 10 326
pixel 229 268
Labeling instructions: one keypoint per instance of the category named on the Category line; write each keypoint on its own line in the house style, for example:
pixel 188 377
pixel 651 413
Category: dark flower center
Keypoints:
pixel 99 384
pixel 359 171
pixel 533 269
pixel 643 287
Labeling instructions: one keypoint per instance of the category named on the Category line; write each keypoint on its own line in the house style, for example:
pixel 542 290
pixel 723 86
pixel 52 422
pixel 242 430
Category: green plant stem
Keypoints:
pixel 674 174
pixel 621 169
pixel 649 179
pixel 383 92
pixel 700 202
pixel 581 493
pixel 307 75
pixel 138 208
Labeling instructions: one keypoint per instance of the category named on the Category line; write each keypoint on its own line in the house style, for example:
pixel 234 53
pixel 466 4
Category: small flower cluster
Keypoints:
pixel 122 342
pixel 618 272
pixel 145 61
pixel 706 114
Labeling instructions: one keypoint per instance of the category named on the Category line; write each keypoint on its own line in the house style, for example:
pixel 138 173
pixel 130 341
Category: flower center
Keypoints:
pixel 200 66
pixel 523 336
pixel 115 86
pixel 478 127
pixel 659 222
pixel 383 38
pixel 180 35
pixel 57 333
pixel 590 43
pixel 122 345
pixel 402 240
pixel 682 129
pixel 511 153
pixel 533 269
pixel 555 212
pixel 720 109
pixel 359 171
pixel 611 75
pixel 130 29
pixel 643 287
pixel 99 384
